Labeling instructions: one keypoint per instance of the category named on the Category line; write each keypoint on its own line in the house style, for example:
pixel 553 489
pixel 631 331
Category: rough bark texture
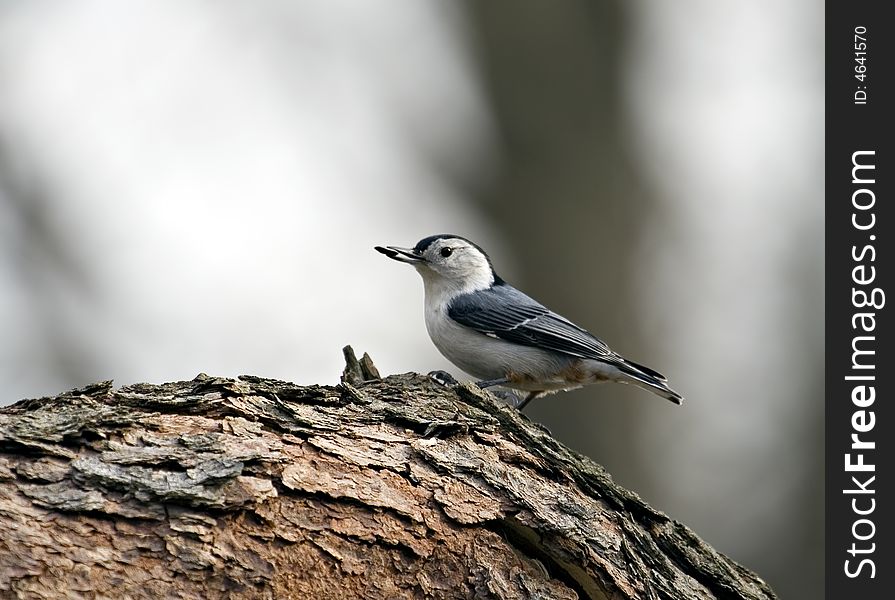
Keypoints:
pixel 375 488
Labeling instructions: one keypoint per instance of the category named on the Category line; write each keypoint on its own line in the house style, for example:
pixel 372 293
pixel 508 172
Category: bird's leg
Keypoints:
pixel 507 396
pixel 531 396
pixel 485 384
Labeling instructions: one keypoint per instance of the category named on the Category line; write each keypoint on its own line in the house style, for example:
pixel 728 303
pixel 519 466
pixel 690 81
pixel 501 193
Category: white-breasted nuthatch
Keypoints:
pixel 494 332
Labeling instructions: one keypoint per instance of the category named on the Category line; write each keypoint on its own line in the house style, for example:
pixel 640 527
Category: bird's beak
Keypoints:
pixel 404 255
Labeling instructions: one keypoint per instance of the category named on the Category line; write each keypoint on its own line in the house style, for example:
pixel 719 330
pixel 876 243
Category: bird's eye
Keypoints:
pixel 445 252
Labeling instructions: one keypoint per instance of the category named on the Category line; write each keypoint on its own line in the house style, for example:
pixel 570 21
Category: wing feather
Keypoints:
pixel 507 313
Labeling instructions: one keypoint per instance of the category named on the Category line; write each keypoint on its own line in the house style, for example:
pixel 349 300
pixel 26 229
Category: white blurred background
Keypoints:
pixel 196 186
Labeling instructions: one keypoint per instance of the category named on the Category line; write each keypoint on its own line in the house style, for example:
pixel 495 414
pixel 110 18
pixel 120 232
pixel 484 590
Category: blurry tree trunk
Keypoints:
pixel 375 488
pixel 568 198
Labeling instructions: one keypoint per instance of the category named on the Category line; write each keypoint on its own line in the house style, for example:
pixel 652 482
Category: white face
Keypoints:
pixel 458 261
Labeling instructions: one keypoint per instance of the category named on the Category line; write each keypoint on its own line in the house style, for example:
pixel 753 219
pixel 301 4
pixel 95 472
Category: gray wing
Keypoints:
pixel 506 313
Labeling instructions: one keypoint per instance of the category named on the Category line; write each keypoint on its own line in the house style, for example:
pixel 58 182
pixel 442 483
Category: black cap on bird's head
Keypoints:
pixel 423 244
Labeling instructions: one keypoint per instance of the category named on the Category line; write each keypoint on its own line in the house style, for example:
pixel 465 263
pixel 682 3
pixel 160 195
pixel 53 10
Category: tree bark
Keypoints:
pixel 374 488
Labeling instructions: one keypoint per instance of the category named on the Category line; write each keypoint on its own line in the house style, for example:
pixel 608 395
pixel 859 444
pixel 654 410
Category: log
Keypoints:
pixel 393 487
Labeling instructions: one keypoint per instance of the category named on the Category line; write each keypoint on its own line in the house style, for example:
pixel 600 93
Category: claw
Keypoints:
pixel 507 396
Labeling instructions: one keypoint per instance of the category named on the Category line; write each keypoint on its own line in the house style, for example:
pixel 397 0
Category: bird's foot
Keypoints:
pixel 516 400
pixel 486 383
pixel 507 397
pixel 443 378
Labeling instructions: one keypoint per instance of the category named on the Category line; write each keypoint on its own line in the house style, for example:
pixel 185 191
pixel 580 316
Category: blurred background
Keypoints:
pixel 197 186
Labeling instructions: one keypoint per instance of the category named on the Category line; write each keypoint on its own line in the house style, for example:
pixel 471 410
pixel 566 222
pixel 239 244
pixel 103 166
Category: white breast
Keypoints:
pixel 487 357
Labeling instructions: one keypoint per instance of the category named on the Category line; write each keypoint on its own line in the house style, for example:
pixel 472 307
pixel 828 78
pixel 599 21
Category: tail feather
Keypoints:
pixel 649 380
pixel 645 370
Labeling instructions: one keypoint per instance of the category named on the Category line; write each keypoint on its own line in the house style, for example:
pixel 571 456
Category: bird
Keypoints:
pixel 498 334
